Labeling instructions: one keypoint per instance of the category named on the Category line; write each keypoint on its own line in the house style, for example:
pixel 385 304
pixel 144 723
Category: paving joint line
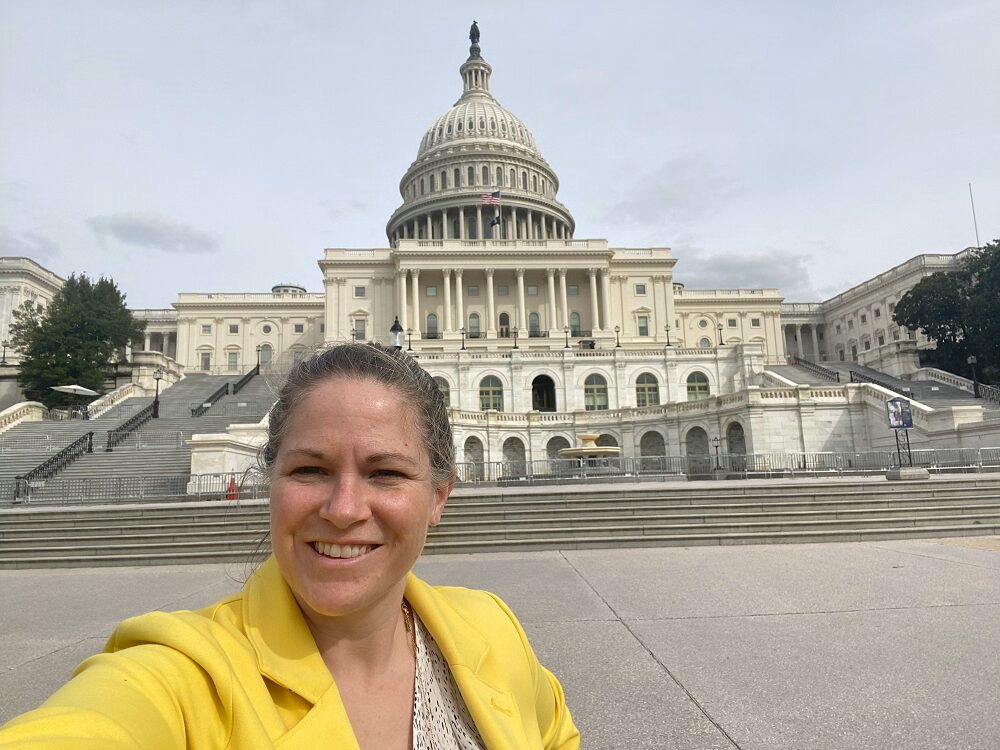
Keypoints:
pixel 932 557
pixel 813 612
pixel 61 648
pixel 654 657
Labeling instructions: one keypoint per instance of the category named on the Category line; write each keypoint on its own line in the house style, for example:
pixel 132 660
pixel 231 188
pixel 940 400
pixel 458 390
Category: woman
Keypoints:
pixel 333 642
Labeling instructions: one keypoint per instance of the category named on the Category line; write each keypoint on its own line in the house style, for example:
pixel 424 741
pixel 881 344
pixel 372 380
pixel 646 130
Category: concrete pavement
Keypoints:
pixel 876 645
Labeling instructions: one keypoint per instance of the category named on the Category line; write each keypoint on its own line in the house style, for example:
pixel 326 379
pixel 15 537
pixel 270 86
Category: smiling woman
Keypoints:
pixel 333 642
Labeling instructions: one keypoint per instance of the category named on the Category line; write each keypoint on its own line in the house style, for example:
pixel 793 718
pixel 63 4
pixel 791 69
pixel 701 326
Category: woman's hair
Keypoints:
pixel 388 366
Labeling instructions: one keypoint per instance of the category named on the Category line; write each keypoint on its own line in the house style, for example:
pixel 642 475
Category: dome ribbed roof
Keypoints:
pixel 477 118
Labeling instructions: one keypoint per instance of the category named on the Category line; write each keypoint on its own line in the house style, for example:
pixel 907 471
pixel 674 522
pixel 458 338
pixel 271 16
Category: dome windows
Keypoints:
pixel 493 123
pixel 449 128
pixel 482 123
pixel 472 124
pixel 472 175
pixel 458 178
pixel 499 176
pixel 432 183
pixel 458 126
pixel 486 175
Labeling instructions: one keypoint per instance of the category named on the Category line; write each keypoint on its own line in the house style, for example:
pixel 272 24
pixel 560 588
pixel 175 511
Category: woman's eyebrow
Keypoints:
pixel 389 456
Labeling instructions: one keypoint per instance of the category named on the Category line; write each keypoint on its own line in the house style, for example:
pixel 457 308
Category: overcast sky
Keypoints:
pixel 220 145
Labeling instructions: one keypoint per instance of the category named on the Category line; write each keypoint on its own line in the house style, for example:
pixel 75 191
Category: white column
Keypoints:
pixel 460 297
pixel 513 224
pixel 401 291
pixel 148 344
pixel 563 298
pixel 523 320
pixel 415 279
pixel 444 223
pixel 815 340
pixel 606 299
pixel 430 227
pixel 461 222
pixel 594 319
pixel 553 310
pixel 490 308
pixel 447 300
pixel 479 222
pixel 798 340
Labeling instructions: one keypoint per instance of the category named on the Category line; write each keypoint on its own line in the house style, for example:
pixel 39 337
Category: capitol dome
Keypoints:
pixel 479 174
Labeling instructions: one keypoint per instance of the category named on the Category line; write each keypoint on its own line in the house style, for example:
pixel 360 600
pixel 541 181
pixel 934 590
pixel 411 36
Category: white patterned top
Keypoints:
pixel 441 720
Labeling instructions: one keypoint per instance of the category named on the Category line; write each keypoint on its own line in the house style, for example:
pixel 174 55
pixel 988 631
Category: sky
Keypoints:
pixel 221 145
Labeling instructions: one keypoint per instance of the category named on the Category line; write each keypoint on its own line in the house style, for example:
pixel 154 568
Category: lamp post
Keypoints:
pixel 258 356
pixel 354 335
pixel 514 331
pixel 6 343
pixel 720 334
pixel 716 443
pixel 666 328
pixel 971 361
pixel 396 334
pixel 409 339
pixel 566 331
pixel 462 331
pixel 157 376
pixel 618 342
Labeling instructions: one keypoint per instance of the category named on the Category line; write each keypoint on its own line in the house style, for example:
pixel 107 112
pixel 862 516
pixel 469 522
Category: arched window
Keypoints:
pixel 490 393
pixel 474 325
pixel 432 183
pixel 499 176
pixel 595 393
pixel 442 385
pixel 432 326
pixel 486 175
pixel 421 185
pixel 513 178
pixel 534 182
pixel 697 386
pixel 456 178
pixel 524 180
pixel 472 175
pixel 266 352
pixel 647 390
pixel 444 180
pixel 574 324
pixel 533 326
pixel 555 445
pixel 504 324
pixel 705 343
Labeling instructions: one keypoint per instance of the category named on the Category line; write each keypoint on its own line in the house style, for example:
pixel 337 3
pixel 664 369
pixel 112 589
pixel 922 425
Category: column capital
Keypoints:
pixel 592 271
pixel 415 272
pixel 489 272
pixel 550 272
pixel 520 273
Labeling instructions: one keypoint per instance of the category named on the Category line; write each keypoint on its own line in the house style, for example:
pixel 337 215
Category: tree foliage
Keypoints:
pixel 960 311
pixel 73 339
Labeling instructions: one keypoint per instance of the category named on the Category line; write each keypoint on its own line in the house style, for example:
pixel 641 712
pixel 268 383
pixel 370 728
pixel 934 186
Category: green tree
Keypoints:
pixel 960 311
pixel 74 339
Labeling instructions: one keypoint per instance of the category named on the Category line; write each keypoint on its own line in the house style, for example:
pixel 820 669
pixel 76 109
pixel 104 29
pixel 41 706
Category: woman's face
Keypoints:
pixel 351 498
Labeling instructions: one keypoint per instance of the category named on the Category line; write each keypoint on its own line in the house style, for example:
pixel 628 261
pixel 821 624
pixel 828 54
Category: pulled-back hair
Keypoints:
pixel 388 366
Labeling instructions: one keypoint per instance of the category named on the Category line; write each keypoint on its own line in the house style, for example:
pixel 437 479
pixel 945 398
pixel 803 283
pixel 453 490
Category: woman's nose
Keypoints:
pixel 346 502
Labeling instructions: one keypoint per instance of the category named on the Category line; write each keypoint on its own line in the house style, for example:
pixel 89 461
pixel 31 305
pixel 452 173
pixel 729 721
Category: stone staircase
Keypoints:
pixel 573 517
pixel 157 449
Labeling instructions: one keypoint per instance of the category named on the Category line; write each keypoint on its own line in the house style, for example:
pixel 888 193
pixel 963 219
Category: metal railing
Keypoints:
pixel 859 377
pixel 989 393
pixel 137 420
pixel 255 408
pixel 172 487
pixel 52 465
pixel 238 385
pixel 140 439
pixel 538 334
pixel 209 402
pixel 816 369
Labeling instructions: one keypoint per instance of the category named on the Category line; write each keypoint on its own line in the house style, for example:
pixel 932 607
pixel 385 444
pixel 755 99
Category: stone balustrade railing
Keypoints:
pixel 110 400
pixel 25 411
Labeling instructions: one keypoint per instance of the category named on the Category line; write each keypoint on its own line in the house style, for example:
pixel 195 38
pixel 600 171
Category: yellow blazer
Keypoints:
pixel 245 674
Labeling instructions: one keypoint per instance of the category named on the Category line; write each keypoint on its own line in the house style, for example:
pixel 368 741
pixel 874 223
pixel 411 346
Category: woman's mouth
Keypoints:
pixel 342 551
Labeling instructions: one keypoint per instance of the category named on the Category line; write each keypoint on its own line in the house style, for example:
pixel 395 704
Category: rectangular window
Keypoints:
pixel 643 321
pixel 300 328
pixel 432 291
pixel 231 362
pixel 640 290
pixel 572 290
pixel 206 360
pixel 234 328
pixel 322 327
pixel 359 330
pixel 503 291
pixel 877 312
pixel 360 292
pixel 532 290
pixel 895 335
pixel 881 340
pixel 850 325
pixel 868 345
pixel 838 328
pixel 731 322
pixel 472 291
pixel 892 306
pixel 206 328
pixel 755 322
pixel 864 318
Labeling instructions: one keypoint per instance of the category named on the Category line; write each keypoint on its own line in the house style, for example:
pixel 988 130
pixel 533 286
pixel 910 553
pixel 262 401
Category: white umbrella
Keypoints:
pixel 76 390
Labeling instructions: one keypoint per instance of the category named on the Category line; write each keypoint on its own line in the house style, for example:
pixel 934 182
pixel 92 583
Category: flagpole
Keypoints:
pixel 975 224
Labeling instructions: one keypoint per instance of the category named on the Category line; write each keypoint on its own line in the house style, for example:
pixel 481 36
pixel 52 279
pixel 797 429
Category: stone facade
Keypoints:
pixel 21 280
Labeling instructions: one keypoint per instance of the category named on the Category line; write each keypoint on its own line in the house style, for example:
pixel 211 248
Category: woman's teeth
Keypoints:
pixel 341 551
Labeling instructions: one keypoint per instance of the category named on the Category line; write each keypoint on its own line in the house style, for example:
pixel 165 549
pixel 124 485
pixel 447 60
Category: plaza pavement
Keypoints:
pixel 876 645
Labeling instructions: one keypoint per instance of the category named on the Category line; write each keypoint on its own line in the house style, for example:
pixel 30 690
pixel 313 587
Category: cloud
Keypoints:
pixel 678 193
pixel 153 232
pixel 340 210
pixel 27 244
pixel 786 271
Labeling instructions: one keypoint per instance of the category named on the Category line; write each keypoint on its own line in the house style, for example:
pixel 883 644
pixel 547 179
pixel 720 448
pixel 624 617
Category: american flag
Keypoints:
pixel 491 199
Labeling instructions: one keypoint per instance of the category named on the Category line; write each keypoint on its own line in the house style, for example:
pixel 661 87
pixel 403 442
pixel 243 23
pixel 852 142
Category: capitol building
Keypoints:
pixel 537 335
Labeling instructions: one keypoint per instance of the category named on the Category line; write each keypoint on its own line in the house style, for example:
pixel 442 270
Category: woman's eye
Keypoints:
pixel 387 474
pixel 306 470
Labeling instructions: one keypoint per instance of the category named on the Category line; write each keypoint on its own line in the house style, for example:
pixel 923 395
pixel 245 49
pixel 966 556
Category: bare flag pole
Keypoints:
pixel 974 223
